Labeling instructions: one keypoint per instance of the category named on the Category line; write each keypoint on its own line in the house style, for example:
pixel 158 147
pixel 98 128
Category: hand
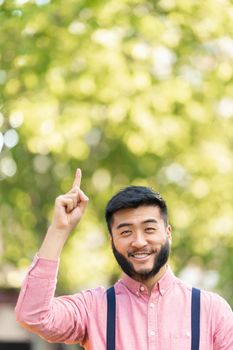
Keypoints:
pixel 70 207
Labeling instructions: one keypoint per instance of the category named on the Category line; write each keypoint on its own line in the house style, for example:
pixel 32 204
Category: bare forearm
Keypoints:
pixel 53 244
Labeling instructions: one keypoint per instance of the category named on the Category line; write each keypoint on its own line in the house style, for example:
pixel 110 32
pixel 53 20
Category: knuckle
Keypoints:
pixel 75 189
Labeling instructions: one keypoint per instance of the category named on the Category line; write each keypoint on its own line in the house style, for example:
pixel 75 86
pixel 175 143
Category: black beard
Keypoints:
pixel 159 261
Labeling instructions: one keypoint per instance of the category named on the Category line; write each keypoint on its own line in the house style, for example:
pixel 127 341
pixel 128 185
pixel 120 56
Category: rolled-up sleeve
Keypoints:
pixel 61 319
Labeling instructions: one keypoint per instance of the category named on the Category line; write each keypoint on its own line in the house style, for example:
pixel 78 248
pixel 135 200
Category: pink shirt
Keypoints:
pixel 160 321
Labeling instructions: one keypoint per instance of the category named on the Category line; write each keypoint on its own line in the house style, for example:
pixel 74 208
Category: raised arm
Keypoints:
pixel 68 211
pixel 55 319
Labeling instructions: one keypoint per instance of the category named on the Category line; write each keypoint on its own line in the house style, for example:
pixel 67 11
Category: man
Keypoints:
pixel 153 307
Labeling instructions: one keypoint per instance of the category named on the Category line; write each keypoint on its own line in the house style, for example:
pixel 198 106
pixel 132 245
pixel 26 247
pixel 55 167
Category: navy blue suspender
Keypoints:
pixel 111 319
pixel 195 318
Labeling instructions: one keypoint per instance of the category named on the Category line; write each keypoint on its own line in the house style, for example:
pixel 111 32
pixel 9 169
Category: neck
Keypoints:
pixel 150 283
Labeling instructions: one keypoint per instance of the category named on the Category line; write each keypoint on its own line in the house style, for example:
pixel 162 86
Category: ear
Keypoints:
pixel 169 233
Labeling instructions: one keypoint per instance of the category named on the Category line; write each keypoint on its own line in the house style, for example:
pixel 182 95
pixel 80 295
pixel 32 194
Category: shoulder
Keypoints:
pixel 212 304
pixel 209 300
pixel 92 294
pixel 86 299
pixel 216 304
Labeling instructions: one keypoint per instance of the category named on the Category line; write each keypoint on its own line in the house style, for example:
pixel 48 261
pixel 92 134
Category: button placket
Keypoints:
pixel 142 288
pixel 152 322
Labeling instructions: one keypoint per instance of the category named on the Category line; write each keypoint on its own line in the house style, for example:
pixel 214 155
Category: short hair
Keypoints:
pixel 134 197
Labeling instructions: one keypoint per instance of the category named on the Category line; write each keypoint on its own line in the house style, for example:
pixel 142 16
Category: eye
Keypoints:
pixel 125 233
pixel 150 229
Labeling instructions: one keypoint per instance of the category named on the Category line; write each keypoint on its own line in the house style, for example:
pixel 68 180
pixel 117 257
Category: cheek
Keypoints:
pixel 158 240
pixel 120 245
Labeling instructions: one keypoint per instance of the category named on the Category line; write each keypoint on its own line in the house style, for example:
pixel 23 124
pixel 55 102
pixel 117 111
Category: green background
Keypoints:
pixel 132 92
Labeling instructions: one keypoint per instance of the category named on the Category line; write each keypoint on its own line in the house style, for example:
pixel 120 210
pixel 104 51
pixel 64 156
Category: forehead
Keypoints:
pixel 136 215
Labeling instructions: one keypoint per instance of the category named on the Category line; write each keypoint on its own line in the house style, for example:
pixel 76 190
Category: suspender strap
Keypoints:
pixel 195 318
pixel 111 318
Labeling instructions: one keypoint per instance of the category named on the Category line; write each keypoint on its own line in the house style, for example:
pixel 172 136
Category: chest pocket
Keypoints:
pixel 181 342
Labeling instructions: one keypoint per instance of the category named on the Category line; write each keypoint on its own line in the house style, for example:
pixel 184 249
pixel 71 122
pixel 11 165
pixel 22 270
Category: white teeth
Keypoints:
pixel 140 255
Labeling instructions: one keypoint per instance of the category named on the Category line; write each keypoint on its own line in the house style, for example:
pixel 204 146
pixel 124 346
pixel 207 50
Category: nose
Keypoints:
pixel 139 241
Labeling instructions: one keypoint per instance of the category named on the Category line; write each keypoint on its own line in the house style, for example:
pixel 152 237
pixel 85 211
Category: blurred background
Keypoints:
pixel 132 92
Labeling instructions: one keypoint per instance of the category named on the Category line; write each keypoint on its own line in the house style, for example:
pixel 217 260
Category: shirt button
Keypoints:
pixel 152 332
pixel 152 305
pixel 188 334
pixel 162 291
pixel 142 289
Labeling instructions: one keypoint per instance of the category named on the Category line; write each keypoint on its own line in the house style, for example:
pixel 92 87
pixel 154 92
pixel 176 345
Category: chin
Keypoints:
pixel 143 271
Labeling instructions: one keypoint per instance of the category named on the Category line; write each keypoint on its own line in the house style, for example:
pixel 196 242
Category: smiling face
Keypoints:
pixel 141 241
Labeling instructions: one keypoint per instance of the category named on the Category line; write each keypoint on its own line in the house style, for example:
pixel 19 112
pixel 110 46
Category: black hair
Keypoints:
pixel 133 197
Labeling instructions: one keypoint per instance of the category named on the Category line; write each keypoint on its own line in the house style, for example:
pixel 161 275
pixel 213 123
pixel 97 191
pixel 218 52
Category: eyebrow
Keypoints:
pixel 123 224
pixel 153 221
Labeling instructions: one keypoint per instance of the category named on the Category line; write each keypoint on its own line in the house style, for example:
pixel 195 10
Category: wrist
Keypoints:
pixel 60 233
pixel 53 243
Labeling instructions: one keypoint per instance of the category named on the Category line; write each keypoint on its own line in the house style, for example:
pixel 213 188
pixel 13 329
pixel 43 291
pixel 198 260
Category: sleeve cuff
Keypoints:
pixel 44 268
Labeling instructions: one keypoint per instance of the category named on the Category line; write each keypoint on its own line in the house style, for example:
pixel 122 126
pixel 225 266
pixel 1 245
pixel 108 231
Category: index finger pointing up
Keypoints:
pixel 77 179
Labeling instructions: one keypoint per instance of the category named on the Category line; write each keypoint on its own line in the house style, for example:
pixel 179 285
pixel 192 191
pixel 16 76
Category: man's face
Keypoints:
pixel 140 241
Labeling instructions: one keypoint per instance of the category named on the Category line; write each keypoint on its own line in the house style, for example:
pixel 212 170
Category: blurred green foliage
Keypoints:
pixel 133 92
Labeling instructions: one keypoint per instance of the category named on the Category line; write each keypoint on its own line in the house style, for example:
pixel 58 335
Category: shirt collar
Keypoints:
pixel 161 286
